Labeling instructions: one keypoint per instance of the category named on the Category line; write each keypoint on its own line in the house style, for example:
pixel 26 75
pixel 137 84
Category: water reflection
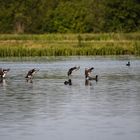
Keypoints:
pixel 3 82
pixel 88 82
pixel 29 80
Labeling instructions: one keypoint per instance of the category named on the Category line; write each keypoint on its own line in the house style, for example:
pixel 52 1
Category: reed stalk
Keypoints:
pixel 69 44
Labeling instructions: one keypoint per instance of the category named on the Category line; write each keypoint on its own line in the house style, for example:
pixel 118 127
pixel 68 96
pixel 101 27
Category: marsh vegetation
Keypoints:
pixel 69 44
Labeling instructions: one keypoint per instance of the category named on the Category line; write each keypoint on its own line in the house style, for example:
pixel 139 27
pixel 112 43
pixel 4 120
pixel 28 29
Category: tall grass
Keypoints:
pixel 69 44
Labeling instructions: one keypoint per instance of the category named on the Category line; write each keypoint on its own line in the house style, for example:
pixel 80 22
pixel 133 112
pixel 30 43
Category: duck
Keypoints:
pixel 128 63
pixel 31 73
pixel 72 69
pixel 3 72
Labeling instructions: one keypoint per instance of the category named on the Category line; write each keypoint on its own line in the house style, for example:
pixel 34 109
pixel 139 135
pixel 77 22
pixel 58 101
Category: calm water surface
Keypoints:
pixel 46 109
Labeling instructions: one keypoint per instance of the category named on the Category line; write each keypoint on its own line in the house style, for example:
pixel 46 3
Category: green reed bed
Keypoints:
pixel 104 49
pixel 69 44
pixel 61 37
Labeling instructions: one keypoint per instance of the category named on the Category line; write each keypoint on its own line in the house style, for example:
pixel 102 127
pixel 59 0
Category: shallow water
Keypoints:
pixel 45 108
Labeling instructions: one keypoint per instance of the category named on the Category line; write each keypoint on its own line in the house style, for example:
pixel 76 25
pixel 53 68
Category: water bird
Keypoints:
pixel 69 82
pixel 93 78
pixel 31 73
pixel 3 72
pixel 72 69
pixel 88 73
pixel 128 63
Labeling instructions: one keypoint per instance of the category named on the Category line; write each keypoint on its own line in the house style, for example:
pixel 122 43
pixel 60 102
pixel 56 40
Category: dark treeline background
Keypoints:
pixel 69 16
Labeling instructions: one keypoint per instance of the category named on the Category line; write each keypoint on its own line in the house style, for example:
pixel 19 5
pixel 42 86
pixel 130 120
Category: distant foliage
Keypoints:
pixel 69 16
pixel 122 16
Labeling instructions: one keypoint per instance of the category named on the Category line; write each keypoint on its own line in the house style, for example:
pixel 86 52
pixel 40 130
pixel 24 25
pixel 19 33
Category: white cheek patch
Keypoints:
pixel 29 76
pixel 4 75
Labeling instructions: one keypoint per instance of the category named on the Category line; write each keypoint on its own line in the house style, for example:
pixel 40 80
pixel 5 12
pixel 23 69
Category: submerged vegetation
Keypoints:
pixel 69 44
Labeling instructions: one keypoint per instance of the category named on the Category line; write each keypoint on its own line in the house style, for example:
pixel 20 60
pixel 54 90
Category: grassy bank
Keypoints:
pixel 69 44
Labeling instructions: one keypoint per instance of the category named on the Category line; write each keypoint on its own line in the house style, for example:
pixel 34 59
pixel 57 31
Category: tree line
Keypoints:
pixel 69 16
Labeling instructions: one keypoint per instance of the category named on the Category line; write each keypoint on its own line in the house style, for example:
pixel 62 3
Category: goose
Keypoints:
pixel 3 72
pixel 31 73
pixel 87 74
pixel 72 69
pixel 69 74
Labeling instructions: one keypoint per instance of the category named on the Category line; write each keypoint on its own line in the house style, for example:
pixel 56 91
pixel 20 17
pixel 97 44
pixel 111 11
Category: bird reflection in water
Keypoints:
pixel 88 83
pixel 29 80
pixel 2 82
